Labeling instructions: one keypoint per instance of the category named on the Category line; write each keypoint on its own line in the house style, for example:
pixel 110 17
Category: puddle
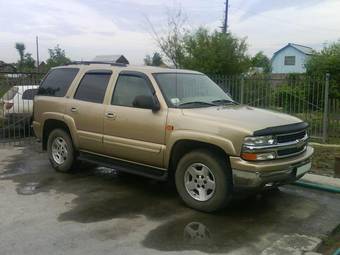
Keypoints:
pixel 30 188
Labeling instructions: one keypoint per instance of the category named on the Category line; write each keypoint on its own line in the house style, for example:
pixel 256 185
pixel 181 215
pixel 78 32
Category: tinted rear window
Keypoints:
pixel 92 87
pixel 57 82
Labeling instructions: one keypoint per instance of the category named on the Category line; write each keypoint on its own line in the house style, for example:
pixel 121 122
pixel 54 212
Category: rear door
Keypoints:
pixel 87 109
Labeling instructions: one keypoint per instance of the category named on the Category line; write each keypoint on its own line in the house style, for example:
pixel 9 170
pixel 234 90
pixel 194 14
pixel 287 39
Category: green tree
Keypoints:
pixel 262 61
pixel 215 52
pixel 170 40
pixel 57 57
pixel 327 61
pixel 21 50
pixel 155 60
pixel 26 63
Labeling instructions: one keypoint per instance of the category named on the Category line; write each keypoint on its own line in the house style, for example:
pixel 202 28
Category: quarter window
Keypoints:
pixel 92 87
pixel 57 82
pixel 128 87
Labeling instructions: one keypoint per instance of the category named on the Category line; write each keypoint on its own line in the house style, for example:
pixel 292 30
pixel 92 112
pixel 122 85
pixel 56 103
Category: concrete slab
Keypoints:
pixel 99 211
pixel 324 180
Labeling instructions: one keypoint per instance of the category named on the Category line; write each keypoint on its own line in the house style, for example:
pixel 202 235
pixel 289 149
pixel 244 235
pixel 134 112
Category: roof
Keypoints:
pixel 303 49
pixel 111 58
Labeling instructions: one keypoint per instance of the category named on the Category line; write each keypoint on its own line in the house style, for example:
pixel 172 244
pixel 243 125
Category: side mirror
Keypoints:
pixel 146 102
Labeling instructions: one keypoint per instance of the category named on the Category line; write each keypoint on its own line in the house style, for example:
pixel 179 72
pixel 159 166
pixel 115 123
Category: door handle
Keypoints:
pixel 110 115
pixel 74 109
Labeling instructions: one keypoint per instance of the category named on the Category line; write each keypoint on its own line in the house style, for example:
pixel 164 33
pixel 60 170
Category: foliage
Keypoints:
pixel 202 50
pixel 327 61
pixel 262 61
pixel 57 57
pixel 26 62
pixel 215 52
pixel 171 40
pixel 155 60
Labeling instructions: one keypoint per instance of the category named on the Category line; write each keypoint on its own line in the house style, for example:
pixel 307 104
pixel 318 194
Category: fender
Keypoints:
pixel 65 119
pixel 221 142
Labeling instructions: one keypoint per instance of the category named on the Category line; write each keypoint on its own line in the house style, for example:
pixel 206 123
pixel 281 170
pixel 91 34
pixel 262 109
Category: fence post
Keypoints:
pixel 325 111
pixel 242 89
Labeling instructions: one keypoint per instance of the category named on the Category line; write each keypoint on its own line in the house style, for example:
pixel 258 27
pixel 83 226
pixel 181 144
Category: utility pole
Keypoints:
pixel 37 44
pixel 225 23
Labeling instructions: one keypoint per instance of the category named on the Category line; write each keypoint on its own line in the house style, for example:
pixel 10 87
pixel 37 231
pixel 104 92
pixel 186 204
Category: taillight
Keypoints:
pixel 8 105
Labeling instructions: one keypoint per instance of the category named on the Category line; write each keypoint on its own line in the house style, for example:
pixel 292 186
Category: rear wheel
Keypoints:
pixel 60 150
pixel 203 180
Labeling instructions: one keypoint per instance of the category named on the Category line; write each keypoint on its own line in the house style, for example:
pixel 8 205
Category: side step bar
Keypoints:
pixel 123 166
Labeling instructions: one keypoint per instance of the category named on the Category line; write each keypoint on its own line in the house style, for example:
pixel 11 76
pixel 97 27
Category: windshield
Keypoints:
pixel 190 90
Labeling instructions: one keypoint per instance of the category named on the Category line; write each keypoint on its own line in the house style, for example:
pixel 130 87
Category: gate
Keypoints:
pixel 16 106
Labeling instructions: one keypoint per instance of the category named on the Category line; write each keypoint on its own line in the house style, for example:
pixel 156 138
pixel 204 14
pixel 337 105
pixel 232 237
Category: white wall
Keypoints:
pixel 278 61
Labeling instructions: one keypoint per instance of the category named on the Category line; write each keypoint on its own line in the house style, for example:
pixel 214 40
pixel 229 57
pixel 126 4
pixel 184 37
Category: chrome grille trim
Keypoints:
pixel 297 143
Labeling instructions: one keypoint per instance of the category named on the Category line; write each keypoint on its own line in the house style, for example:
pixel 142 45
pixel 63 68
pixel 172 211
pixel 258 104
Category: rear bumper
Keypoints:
pixel 259 175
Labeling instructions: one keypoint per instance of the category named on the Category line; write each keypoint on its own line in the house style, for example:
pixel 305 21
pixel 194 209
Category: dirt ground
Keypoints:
pixel 99 211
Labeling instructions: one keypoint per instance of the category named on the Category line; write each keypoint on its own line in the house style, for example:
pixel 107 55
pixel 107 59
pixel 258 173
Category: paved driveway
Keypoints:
pixel 97 211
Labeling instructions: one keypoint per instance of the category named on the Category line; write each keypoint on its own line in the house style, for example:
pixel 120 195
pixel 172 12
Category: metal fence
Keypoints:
pixel 16 106
pixel 313 99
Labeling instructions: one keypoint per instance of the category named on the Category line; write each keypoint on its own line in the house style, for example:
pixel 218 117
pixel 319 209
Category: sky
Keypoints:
pixel 86 28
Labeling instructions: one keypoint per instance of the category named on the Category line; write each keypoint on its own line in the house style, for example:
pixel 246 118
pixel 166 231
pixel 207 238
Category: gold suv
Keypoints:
pixel 164 123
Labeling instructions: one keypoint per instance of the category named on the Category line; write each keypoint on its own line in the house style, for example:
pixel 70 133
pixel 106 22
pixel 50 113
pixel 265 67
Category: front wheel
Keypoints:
pixel 60 150
pixel 204 181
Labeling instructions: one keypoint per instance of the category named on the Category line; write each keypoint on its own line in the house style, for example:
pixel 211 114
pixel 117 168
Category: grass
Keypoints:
pixel 331 243
pixel 324 158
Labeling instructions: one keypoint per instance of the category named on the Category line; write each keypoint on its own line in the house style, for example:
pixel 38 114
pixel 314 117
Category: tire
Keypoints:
pixel 65 161
pixel 217 196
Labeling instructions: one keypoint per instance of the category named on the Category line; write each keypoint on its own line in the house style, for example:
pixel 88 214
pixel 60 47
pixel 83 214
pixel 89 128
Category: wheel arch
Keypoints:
pixel 51 124
pixel 183 146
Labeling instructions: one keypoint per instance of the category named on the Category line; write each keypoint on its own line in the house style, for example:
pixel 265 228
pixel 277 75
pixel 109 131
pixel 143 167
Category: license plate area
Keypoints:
pixel 300 170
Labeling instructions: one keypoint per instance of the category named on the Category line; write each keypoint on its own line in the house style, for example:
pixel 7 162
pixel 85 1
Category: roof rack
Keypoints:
pixel 95 62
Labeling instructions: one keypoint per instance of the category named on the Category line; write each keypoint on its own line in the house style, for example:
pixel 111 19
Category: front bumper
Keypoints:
pixel 259 175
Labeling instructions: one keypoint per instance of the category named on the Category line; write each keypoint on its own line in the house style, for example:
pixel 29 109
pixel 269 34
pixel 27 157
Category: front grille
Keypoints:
pixel 290 151
pixel 284 138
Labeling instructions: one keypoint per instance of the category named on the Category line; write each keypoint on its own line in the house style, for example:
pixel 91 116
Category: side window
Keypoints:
pixel 57 82
pixel 128 87
pixel 92 87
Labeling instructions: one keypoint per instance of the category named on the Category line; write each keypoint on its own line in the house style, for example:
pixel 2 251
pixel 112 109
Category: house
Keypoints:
pixel 291 59
pixel 112 59
pixel 5 67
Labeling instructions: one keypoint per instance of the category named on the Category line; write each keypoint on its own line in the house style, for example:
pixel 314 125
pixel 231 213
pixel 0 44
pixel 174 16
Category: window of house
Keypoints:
pixel 289 60
pixel 57 82
pixel 93 86
pixel 128 87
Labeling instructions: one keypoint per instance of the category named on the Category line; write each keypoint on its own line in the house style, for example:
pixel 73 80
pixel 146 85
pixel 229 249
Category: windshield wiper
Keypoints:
pixel 198 103
pixel 223 101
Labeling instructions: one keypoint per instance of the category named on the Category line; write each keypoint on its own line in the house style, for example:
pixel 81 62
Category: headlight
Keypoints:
pixel 259 140
pixel 252 144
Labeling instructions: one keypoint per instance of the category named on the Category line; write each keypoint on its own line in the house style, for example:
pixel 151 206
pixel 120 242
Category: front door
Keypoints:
pixel 132 133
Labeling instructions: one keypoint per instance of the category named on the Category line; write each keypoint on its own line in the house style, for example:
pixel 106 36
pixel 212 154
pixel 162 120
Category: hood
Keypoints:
pixel 242 116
